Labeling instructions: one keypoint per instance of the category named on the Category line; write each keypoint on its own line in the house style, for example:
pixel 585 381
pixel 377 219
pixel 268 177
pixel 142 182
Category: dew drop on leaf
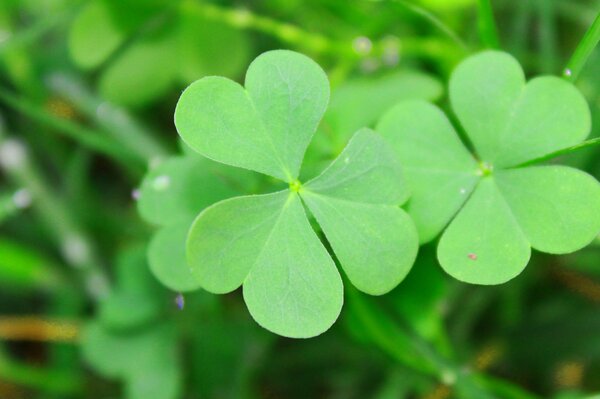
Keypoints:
pixel 568 72
pixel 362 45
pixel 22 198
pixel 161 183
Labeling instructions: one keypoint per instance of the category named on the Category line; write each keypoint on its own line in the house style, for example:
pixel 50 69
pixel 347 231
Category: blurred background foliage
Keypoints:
pixel 87 94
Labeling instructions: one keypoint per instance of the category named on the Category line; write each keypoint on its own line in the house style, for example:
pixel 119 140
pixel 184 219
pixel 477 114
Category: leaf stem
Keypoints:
pixel 486 24
pixel 583 51
pixel 568 150
pixel 316 43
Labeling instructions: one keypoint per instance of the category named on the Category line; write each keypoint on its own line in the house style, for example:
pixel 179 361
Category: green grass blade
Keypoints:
pixel 488 33
pixel 583 51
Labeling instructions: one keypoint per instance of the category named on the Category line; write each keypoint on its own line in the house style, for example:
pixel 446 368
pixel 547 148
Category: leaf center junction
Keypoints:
pixel 295 185
pixel 485 168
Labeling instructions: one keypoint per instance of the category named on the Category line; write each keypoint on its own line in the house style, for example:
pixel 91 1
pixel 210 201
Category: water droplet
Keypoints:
pixel 155 162
pixel 568 72
pixel 180 301
pixel 391 50
pixel 472 256
pixel 346 160
pixel 76 250
pixel 448 377
pixel 22 198
pixel 4 35
pixel 463 191
pixel 136 194
pixel 12 154
pixel 161 182
pixel 362 45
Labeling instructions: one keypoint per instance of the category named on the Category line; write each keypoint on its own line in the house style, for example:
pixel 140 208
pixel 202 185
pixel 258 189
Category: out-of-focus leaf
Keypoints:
pixel 147 361
pixel 181 187
pixel 166 255
pixel 136 297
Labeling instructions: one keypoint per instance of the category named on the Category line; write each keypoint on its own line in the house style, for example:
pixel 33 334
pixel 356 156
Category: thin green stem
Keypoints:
pixel 316 43
pixel 583 51
pixel 433 20
pixel 588 143
pixel 486 24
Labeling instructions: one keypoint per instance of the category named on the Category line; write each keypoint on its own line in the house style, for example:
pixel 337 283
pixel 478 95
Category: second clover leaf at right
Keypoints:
pixel 491 206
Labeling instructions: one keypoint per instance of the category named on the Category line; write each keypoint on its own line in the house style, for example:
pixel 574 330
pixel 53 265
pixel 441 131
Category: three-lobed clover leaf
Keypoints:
pixel 496 208
pixel 265 242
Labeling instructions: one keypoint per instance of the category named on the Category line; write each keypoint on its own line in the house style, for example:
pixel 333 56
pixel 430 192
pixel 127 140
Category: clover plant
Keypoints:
pixel 493 204
pixel 265 242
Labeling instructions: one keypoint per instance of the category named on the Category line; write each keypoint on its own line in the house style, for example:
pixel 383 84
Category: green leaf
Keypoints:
pixel 511 122
pixel 551 114
pixel 208 48
pixel 166 256
pixel 440 171
pixel 144 71
pixel 135 298
pixel 484 243
pixel 483 91
pixel 227 238
pixel 147 361
pixel 180 187
pixel 265 127
pixel 359 102
pixel 557 207
pixel 293 288
pixel 373 238
pixel 94 36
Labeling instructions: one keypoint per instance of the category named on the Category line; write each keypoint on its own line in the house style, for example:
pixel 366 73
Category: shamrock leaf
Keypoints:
pixel 135 43
pixel 497 208
pixel 265 242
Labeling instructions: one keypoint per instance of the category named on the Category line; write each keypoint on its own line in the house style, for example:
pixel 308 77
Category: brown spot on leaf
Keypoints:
pixel 472 256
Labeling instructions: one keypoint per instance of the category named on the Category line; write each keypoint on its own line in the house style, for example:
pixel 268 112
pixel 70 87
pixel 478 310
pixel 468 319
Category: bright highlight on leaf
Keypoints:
pixel 496 211
pixel 265 242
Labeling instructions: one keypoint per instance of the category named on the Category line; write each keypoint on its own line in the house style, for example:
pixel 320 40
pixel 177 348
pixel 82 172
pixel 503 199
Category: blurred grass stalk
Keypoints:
pixel 428 47
pixel 76 247
pixel 488 33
